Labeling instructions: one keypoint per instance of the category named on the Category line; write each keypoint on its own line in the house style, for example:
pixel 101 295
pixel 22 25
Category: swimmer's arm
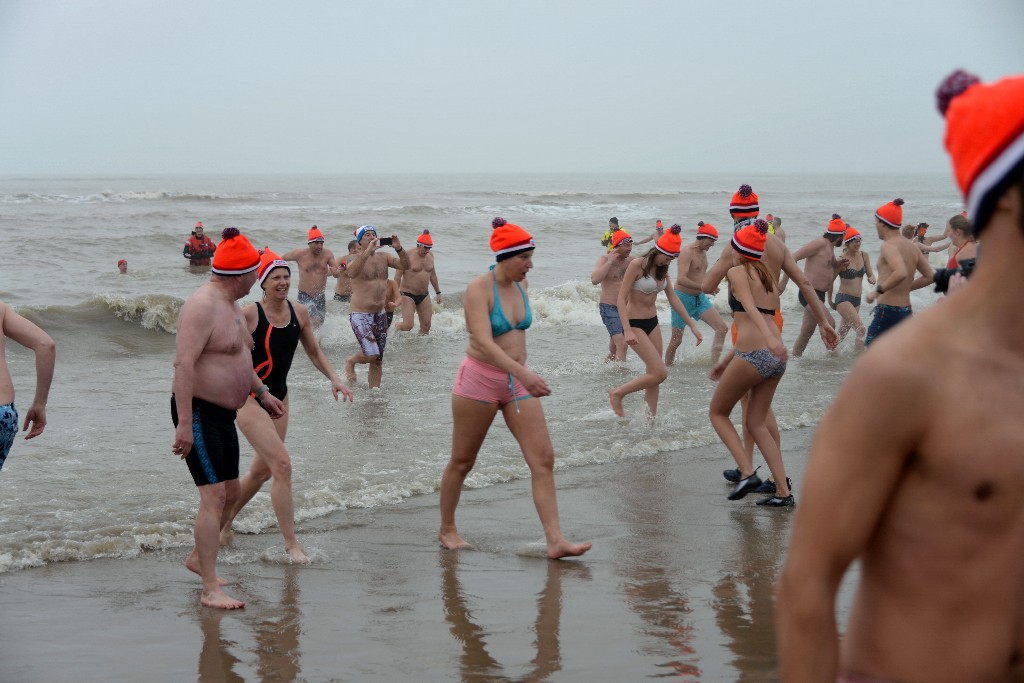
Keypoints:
pixel 252 317
pixel 601 269
pixel 806 250
pixel 317 356
pixel 31 336
pixel 852 471
pixel 332 264
pixel 927 276
pixel 195 327
pixel 647 239
pixel 867 266
pixel 631 275
pixel 356 263
pixel 717 272
pixel 677 306
pixel 434 283
pixel 398 280
pixel 294 254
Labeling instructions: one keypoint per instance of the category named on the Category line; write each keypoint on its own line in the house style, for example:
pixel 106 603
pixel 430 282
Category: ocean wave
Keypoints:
pixel 135 196
pixel 151 312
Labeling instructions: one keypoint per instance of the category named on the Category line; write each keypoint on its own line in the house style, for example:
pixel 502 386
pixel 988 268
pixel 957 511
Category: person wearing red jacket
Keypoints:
pixel 199 248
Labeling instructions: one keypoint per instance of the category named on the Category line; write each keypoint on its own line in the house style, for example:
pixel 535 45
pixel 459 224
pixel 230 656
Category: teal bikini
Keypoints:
pixel 499 323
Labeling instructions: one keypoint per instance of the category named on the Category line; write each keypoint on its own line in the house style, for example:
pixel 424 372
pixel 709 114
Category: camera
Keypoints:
pixel 384 242
pixel 942 275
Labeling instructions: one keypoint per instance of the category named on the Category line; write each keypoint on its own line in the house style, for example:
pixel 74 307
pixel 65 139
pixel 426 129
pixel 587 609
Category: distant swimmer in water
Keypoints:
pixel 644 278
pixel 26 333
pixel 199 248
pixel 413 282
pixel 213 378
pixel 277 327
pixel 493 376
pixel 122 267
pixel 315 263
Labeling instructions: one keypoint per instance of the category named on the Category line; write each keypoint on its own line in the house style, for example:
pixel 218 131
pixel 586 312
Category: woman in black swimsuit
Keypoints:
pixel 755 365
pixel 851 283
pixel 277 327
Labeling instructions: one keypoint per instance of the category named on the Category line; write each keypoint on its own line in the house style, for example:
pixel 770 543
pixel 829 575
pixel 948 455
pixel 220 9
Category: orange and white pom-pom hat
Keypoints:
pixel 984 137
pixel 749 240
pixel 508 239
pixel 234 255
pixel 268 262
pixel 891 213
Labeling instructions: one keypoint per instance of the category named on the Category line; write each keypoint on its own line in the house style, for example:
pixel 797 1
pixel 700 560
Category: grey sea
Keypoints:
pixel 101 488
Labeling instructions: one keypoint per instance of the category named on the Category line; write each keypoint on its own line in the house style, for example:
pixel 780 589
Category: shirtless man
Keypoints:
pixel 369 273
pixel 821 264
pixel 412 283
pixel 608 273
pixel 343 289
pixel 213 377
pixel 692 267
pixel 897 262
pixel 24 332
pixel 315 264
pixel 659 230
pixel 929 509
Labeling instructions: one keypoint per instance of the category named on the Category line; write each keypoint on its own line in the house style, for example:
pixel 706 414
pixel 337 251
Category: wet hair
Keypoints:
pixel 765 275
pixel 613 220
pixel 660 272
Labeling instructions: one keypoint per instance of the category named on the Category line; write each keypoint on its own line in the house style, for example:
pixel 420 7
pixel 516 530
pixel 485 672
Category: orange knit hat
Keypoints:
pixel 744 203
pixel 707 230
pixel 315 235
pixel 508 239
pixel 984 137
pixel 268 261
pixel 891 213
pixel 620 236
pixel 199 224
pixel 670 243
pixel 749 240
pixel 658 224
pixel 836 226
pixel 850 235
pixel 425 239
pixel 234 255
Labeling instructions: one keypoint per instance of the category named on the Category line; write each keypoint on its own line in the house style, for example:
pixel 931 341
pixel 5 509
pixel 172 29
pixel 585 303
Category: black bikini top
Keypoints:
pixel 736 307
pixel 850 273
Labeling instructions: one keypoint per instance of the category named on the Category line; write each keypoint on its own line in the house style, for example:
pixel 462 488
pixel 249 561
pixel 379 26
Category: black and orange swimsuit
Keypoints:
pixel 273 350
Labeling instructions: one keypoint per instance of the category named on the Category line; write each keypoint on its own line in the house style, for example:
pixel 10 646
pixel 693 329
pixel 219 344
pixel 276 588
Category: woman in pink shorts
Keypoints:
pixel 494 377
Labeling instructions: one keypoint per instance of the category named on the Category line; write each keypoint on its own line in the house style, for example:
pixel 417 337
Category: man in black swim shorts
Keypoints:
pixel 213 376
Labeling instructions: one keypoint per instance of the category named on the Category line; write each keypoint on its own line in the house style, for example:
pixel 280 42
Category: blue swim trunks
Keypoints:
pixel 8 430
pixel 886 317
pixel 610 318
pixel 317 305
pixel 695 304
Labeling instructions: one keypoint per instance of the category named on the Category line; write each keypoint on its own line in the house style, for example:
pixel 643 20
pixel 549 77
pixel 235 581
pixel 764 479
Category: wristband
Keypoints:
pixel 262 390
pixel 399 250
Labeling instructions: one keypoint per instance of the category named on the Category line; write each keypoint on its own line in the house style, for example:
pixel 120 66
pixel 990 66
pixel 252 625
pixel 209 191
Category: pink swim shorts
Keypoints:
pixel 485 383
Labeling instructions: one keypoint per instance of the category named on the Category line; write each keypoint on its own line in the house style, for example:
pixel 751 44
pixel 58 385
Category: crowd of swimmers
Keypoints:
pixel 930 508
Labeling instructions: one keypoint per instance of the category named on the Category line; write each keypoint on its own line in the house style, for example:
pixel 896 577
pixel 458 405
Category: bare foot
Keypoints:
pixel 566 549
pixel 220 600
pixel 616 402
pixel 227 536
pixel 452 541
pixel 192 564
pixel 296 555
pixel 350 371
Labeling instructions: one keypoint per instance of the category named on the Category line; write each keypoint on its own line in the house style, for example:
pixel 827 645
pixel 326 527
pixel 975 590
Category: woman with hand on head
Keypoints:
pixel 493 376
pixel 756 365
pixel 638 295
pixel 277 326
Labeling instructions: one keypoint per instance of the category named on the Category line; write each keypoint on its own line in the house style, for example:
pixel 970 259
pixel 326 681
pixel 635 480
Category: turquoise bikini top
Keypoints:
pixel 499 323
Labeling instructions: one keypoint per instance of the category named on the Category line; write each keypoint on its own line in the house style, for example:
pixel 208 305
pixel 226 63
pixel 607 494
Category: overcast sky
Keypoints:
pixel 231 86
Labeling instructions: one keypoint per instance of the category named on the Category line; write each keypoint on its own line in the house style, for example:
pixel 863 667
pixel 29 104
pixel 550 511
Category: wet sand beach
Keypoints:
pixel 678 584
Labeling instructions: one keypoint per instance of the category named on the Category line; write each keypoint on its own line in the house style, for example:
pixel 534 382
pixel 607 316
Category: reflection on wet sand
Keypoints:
pixel 648 580
pixel 744 608
pixel 277 641
pixel 476 663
